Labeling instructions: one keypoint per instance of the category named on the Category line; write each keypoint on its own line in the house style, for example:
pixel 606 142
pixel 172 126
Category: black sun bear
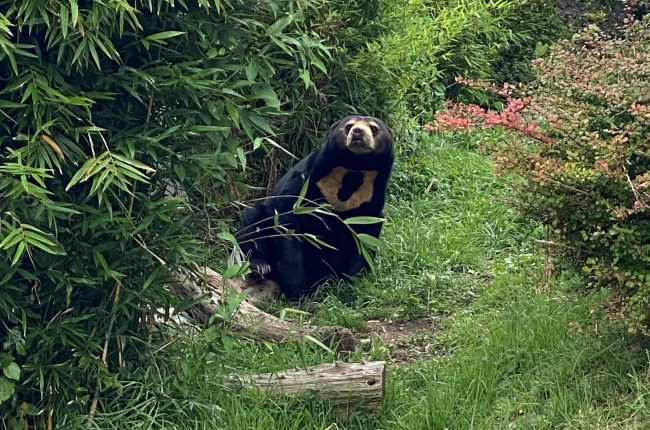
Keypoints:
pixel 350 173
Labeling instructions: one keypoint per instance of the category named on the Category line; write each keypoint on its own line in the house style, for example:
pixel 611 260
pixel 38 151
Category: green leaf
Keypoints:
pixel 12 371
pixel 235 271
pixel 7 388
pixel 93 53
pixel 208 128
pixel 242 157
pixel 371 241
pixel 315 240
pixel 267 94
pixel 363 220
pixel 367 257
pixel 301 195
pixel 163 35
pixel 317 342
pixel 10 239
pixel 20 249
pixel 306 77
pixel 134 163
pixel 319 64
pixel 302 210
pixel 8 49
pixel 74 8
pixel 285 311
pixel 257 143
pixel 10 104
pixel 64 14
pixel 280 24
pixel 179 169
pixel 541 49
pixel 224 235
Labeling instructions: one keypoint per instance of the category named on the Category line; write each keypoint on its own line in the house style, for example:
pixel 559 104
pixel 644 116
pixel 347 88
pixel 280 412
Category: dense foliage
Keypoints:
pixel 124 129
pixel 588 174
pixel 430 43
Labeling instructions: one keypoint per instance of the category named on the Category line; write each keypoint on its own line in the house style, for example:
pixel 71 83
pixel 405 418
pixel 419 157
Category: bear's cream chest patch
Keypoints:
pixel 330 184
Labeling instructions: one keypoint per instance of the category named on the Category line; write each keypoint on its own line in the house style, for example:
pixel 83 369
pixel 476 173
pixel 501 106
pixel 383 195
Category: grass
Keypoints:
pixel 500 355
pixel 439 239
pixel 524 366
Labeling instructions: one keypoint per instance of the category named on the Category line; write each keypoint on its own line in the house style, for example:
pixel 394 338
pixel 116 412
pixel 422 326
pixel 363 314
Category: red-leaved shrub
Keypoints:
pixel 580 137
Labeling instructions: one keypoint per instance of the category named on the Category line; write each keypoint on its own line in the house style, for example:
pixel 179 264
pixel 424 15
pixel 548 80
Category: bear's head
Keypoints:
pixel 362 135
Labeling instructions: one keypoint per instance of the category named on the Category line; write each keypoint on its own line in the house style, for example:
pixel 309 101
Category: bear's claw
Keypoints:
pixel 261 268
pixel 258 270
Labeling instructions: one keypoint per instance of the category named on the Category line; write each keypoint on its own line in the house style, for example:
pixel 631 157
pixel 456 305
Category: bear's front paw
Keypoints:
pixel 261 268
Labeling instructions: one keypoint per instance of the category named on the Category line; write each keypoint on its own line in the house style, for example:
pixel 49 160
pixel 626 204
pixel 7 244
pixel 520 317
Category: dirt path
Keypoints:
pixel 408 341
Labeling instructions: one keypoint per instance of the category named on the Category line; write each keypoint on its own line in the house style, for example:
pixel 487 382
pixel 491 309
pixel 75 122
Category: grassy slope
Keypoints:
pixel 502 356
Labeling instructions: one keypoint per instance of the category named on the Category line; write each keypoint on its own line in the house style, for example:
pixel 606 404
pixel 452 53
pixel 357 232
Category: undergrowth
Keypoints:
pixel 500 355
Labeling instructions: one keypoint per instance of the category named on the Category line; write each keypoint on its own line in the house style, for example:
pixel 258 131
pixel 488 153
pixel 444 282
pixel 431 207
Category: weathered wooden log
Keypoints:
pixel 249 318
pixel 345 386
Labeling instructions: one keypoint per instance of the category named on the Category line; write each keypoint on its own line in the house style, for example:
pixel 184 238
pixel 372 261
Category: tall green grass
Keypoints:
pixel 537 362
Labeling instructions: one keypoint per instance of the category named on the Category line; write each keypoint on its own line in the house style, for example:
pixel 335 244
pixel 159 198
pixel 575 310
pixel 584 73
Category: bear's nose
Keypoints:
pixel 357 130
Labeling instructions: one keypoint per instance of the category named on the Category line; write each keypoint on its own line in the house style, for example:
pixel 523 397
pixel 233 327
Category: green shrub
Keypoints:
pixel 124 131
pixel 330 91
pixel 428 44
pixel 588 174
pixel 540 20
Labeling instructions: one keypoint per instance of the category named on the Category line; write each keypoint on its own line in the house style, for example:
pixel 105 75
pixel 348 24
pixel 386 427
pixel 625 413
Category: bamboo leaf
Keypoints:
pixel 84 171
pixel 163 35
pixel 64 13
pixel 371 241
pixel 9 240
pixel 363 220
pixel 9 104
pixel 74 11
pixel 20 249
pixel 224 235
pixel 93 52
pixel 47 139
pixel 315 240
pixel 301 195
pixel 302 210
pixel 8 50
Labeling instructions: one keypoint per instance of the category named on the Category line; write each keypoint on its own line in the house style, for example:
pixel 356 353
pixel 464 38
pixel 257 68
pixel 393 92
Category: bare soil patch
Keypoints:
pixel 407 340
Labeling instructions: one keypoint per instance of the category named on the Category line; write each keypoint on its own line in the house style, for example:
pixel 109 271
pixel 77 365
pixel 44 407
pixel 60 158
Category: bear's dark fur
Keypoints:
pixel 351 174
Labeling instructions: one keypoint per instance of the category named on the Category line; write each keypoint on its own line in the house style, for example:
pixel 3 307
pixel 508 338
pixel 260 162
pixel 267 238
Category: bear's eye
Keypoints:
pixel 373 128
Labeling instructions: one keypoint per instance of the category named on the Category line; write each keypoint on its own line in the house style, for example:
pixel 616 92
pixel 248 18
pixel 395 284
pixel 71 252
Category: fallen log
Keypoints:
pixel 249 318
pixel 344 386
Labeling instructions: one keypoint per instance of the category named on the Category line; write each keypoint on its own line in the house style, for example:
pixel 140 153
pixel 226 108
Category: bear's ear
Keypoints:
pixel 334 126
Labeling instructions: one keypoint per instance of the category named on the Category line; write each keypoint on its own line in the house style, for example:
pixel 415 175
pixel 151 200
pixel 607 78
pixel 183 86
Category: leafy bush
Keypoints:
pixel 540 20
pixel 588 174
pixel 328 92
pixel 125 131
pixel 429 43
